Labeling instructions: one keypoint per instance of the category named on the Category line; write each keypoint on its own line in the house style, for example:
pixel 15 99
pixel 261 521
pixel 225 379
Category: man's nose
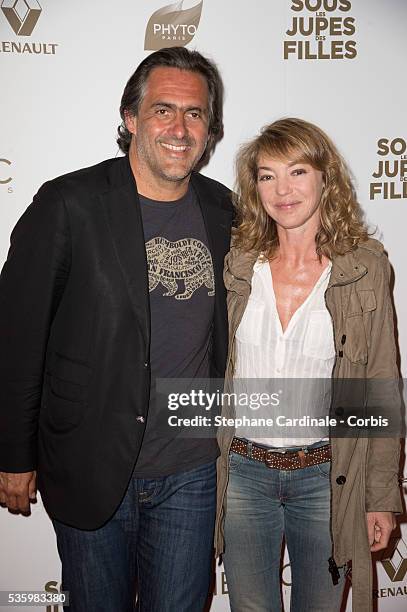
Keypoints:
pixel 178 127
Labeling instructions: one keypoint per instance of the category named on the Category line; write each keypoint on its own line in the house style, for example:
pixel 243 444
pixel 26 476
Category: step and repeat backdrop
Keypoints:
pixel 337 63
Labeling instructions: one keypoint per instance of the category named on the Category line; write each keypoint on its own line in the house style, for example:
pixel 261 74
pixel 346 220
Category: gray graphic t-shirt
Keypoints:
pixel 181 291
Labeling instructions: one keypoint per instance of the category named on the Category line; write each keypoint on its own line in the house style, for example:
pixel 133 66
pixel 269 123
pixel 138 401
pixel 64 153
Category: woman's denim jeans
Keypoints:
pixel 263 505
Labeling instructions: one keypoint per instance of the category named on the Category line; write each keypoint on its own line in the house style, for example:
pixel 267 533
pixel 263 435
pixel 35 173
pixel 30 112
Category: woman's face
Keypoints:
pixel 290 192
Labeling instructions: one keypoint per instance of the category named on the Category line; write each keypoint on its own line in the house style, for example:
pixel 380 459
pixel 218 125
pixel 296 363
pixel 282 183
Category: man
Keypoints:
pixel 114 279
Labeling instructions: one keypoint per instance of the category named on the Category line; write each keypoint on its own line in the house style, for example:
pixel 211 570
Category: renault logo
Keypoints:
pixel 396 566
pixel 22 15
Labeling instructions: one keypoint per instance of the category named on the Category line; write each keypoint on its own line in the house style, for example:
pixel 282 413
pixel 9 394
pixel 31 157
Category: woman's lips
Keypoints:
pixel 286 205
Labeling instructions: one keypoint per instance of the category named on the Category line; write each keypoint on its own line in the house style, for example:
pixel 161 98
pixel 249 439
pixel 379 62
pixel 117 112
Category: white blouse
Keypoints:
pixel 305 351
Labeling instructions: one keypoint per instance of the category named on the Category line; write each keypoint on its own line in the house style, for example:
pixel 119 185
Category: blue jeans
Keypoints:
pixel 263 505
pixel 161 537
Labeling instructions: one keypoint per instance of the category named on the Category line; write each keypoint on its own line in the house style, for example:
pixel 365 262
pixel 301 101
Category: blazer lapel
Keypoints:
pixel 218 215
pixel 218 220
pixel 122 206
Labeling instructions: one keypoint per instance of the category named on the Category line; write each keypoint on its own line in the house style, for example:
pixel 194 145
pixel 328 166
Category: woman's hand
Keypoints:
pixel 379 528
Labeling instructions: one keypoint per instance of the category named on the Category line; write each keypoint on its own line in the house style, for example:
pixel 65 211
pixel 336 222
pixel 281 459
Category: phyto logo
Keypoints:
pixel 22 15
pixel 396 566
pixel 172 26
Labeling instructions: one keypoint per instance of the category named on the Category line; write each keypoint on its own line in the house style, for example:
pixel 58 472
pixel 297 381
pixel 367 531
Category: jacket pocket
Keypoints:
pixel 68 378
pixel 67 390
pixel 358 325
pixel 70 370
pixel 65 393
pixel 60 415
pixel 367 299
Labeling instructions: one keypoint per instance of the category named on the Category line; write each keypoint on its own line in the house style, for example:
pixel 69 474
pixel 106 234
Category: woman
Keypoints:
pixel 308 298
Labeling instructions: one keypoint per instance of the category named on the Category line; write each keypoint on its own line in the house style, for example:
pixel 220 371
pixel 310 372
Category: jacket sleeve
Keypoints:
pixel 31 285
pixel 382 489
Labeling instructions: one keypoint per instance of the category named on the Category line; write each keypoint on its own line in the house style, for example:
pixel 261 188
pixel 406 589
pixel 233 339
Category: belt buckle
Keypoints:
pixel 268 458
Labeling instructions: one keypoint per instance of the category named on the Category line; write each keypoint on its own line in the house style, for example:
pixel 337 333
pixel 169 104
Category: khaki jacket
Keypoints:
pixel 364 471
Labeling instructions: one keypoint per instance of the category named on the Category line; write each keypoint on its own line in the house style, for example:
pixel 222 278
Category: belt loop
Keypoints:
pixel 249 449
pixel 303 458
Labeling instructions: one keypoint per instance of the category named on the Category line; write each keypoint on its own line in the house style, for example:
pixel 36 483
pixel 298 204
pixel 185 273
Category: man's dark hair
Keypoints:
pixel 183 59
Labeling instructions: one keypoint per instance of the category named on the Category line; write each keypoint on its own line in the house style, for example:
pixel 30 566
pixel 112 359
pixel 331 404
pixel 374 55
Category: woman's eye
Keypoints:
pixel 265 177
pixel 298 171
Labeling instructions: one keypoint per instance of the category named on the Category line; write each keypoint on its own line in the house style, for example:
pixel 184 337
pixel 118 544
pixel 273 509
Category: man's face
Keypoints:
pixel 171 128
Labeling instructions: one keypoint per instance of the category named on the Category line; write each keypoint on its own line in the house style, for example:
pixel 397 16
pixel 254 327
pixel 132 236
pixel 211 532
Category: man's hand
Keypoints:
pixel 17 490
pixel 379 528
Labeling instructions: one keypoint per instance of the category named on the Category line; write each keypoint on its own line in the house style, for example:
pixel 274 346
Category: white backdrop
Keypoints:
pixel 337 63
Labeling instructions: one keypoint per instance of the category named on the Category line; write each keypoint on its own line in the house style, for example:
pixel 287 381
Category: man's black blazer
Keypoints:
pixel 75 336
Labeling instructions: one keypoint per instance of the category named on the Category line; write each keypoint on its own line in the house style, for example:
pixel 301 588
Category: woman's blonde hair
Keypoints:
pixel 341 227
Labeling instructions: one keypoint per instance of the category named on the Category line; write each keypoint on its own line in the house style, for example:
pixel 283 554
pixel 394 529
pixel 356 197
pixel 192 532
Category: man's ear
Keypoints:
pixel 130 122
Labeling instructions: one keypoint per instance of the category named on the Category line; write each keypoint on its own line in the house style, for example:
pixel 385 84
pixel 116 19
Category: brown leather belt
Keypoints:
pixel 286 460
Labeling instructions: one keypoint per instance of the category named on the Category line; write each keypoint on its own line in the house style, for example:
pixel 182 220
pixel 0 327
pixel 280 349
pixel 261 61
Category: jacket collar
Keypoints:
pixel 349 267
pixel 346 268
pixel 239 270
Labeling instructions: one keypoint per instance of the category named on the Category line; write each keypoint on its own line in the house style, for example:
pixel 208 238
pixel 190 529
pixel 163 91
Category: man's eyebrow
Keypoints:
pixel 161 104
pixel 174 107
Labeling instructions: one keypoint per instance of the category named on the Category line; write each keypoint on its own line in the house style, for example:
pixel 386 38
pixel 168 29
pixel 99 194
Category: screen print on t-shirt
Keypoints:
pixel 181 292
